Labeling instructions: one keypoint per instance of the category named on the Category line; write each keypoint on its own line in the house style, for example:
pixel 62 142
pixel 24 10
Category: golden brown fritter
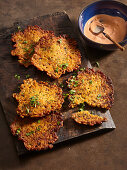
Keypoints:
pixel 25 42
pixel 92 87
pixel 56 55
pixel 37 134
pixel 38 99
pixel 84 117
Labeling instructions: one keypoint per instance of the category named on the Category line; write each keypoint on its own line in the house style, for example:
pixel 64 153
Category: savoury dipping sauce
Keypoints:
pixel 114 26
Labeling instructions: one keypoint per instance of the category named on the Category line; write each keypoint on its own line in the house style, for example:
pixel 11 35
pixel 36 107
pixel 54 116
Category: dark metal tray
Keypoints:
pixel 9 66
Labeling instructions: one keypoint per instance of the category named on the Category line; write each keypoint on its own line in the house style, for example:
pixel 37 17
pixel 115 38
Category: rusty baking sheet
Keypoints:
pixel 9 66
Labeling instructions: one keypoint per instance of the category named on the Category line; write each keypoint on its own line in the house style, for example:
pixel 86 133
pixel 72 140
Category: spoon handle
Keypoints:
pixel 117 44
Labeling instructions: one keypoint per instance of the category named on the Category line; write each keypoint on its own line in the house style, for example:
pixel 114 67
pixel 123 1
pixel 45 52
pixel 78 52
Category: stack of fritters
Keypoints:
pixel 92 87
pixel 37 134
pixel 38 100
pixel 25 43
pixel 84 117
pixel 44 50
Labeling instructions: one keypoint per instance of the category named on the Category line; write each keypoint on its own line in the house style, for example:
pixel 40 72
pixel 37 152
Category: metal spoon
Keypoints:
pixel 100 29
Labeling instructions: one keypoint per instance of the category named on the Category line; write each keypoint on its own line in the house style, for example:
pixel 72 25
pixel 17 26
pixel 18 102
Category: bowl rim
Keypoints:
pixel 124 41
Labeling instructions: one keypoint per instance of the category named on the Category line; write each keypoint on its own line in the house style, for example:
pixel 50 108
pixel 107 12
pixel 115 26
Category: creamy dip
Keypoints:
pixel 116 27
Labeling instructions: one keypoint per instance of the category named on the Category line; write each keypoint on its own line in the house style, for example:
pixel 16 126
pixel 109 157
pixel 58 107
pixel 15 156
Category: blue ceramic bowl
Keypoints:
pixel 109 7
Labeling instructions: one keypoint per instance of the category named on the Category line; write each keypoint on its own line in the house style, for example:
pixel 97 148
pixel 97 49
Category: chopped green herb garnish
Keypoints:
pixel 62 85
pixel 29 133
pixel 25 42
pixel 19 28
pixel 98 96
pixel 27 110
pixel 17 76
pixel 82 81
pixel 82 107
pixel 56 70
pixel 64 66
pixel 26 49
pixel 38 128
pixel 60 40
pixel 92 112
pixel 18 131
pixel 75 85
pixel 32 52
pixel 72 91
pixel 33 101
pixel 27 76
pixel 82 69
pixel 90 81
pixel 97 63
pixel 38 121
pixel 65 95
pixel 58 122
pixel 54 83
pixel 71 99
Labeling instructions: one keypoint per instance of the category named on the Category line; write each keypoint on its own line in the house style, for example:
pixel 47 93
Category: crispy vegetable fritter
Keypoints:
pixel 37 134
pixel 25 42
pixel 84 117
pixel 56 55
pixel 92 87
pixel 38 99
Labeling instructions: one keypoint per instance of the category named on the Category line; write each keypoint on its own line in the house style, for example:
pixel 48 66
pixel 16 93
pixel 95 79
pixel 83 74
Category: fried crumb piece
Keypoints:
pixel 92 87
pixel 84 117
pixel 37 134
pixel 38 99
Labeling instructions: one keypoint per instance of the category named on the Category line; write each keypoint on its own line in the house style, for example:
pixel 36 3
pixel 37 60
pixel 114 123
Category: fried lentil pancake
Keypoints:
pixel 92 87
pixel 56 55
pixel 25 42
pixel 38 99
pixel 84 117
pixel 37 134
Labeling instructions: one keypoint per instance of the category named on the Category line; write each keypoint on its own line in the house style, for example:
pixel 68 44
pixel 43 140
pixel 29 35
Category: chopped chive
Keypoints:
pixel 58 122
pixel 75 85
pixel 60 40
pixel 26 49
pixel 17 76
pixel 38 121
pixel 72 91
pixel 27 76
pixel 64 66
pixel 82 69
pixel 33 101
pixel 90 81
pixel 38 128
pixel 25 42
pixel 98 96
pixel 19 28
pixel 82 107
pixel 27 110
pixel 56 70
pixel 18 131
pixel 65 95
pixel 62 85
pixel 29 133
pixel 97 63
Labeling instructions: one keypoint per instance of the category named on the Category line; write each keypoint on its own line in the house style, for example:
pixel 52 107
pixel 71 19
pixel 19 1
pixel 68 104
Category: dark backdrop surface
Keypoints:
pixel 101 151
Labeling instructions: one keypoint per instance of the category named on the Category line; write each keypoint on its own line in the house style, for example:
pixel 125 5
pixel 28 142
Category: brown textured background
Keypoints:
pixel 102 151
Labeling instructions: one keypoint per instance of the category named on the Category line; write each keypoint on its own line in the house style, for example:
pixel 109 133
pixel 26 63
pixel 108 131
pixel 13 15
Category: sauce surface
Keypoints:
pixel 116 27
